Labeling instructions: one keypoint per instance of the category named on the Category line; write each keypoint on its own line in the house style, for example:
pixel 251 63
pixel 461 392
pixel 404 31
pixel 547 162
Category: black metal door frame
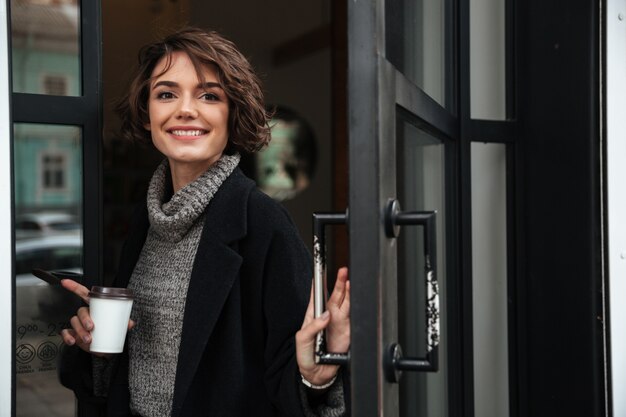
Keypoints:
pixel 552 130
pixel 375 90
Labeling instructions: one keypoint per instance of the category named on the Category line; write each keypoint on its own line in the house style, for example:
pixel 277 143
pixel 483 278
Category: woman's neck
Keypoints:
pixel 183 174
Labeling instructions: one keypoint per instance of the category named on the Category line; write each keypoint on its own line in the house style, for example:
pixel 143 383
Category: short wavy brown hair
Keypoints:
pixel 248 119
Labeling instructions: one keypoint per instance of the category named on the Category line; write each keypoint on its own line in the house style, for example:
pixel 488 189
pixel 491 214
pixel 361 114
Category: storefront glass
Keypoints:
pixel 416 44
pixel 45 37
pixel 48 236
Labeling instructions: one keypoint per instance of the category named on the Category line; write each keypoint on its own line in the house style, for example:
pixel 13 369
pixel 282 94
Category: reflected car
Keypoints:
pixel 42 310
pixel 46 223
pixel 55 252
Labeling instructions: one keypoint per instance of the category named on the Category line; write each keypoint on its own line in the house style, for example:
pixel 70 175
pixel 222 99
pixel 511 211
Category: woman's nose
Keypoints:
pixel 187 109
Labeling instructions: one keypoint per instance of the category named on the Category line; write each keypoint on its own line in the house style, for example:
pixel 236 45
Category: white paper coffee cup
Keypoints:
pixel 109 308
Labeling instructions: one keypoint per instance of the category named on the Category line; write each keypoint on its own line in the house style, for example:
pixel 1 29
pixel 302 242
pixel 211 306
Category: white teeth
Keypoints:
pixel 187 132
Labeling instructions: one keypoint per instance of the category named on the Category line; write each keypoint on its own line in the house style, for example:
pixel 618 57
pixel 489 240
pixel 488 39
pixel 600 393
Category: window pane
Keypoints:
pixel 48 230
pixel 45 47
pixel 487 60
pixel 416 43
pixel 489 285
pixel 421 166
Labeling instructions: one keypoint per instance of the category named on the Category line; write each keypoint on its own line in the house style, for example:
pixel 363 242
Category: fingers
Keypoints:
pixel 85 318
pixel 68 336
pixel 339 292
pixel 81 334
pixel 345 305
pixel 76 288
pixel 307 332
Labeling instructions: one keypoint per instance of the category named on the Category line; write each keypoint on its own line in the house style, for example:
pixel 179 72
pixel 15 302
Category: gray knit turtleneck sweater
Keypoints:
pixel 160 281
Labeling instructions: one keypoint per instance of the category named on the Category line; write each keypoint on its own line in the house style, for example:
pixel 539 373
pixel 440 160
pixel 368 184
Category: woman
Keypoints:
pixel 220 276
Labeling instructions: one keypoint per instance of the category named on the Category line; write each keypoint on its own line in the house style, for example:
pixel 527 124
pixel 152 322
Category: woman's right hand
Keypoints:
pixel 82 324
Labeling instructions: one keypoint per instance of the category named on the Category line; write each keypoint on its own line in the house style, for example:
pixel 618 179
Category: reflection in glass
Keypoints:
pixel 415 33
pixel 48 230
pixel 285 168
pixel 420 187
pixel 45 47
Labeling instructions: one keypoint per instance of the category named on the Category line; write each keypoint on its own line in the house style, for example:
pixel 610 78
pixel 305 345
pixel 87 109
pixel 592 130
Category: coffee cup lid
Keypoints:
pixel 111 293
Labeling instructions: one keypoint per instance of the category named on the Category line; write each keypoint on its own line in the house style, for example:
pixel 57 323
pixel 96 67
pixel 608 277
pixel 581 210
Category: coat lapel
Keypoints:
pixel 215 269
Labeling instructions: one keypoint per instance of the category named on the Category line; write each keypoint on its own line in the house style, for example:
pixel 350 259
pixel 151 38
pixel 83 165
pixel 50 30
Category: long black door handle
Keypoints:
pixel 394 362
pixel 320 289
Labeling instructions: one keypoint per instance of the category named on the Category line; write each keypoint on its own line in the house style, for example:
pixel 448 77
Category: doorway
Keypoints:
pixel 501 255
pixel 290 47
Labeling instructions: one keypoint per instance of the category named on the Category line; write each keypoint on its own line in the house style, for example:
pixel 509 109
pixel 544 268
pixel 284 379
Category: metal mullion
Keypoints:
pixel 464 353
pixel 450 42
pixel 39 108
pixel 91 51
pixel 492 131
pixel 453 272
pixel 91 60
pixel 387 189
pixel 92 204
pixel 510 50
pixel 363 202
pixel 416 101
pixel 513 237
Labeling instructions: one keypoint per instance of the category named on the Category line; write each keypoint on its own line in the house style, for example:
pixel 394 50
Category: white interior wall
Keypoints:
pixel 6 240
pixel 616 172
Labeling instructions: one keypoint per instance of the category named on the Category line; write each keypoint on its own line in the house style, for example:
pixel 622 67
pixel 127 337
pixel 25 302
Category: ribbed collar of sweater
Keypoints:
pixel 172 219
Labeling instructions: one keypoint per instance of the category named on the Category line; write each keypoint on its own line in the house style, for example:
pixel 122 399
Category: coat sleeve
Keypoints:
pixel 287 286
pixel 76 373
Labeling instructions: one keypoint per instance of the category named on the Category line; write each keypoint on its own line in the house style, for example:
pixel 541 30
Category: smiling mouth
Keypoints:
pixel 195 132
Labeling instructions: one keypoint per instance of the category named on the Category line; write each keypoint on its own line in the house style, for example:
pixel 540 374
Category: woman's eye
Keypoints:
pixel 210 97
pixel 165 95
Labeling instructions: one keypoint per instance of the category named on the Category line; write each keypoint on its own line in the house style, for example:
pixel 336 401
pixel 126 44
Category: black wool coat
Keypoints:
pixel 248 293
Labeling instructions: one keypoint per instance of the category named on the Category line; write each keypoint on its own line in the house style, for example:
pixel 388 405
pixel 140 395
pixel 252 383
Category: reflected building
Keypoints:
pixel 45 55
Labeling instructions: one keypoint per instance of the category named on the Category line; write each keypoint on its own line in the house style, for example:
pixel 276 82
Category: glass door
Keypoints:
pixel 56 141
pixel 403 158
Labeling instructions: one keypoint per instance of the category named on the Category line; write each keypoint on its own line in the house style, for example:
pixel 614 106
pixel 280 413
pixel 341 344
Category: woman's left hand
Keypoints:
pixel 337 319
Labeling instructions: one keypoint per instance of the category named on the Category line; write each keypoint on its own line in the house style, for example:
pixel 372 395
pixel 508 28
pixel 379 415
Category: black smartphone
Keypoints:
pixel 55 277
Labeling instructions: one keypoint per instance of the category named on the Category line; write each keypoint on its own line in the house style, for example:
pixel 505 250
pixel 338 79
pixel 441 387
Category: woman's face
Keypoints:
pixel 188 120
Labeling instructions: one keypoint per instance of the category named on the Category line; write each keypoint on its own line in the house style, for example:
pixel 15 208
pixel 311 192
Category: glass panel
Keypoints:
pixel 487 60
pixel 420 187
pixel 48 230
pixel 416 43
pixel 45 47
pixel 490 292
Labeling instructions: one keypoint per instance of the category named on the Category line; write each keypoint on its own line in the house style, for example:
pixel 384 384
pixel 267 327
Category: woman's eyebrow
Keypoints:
pixel 204 86
pixel 209 84
pixel 165 83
